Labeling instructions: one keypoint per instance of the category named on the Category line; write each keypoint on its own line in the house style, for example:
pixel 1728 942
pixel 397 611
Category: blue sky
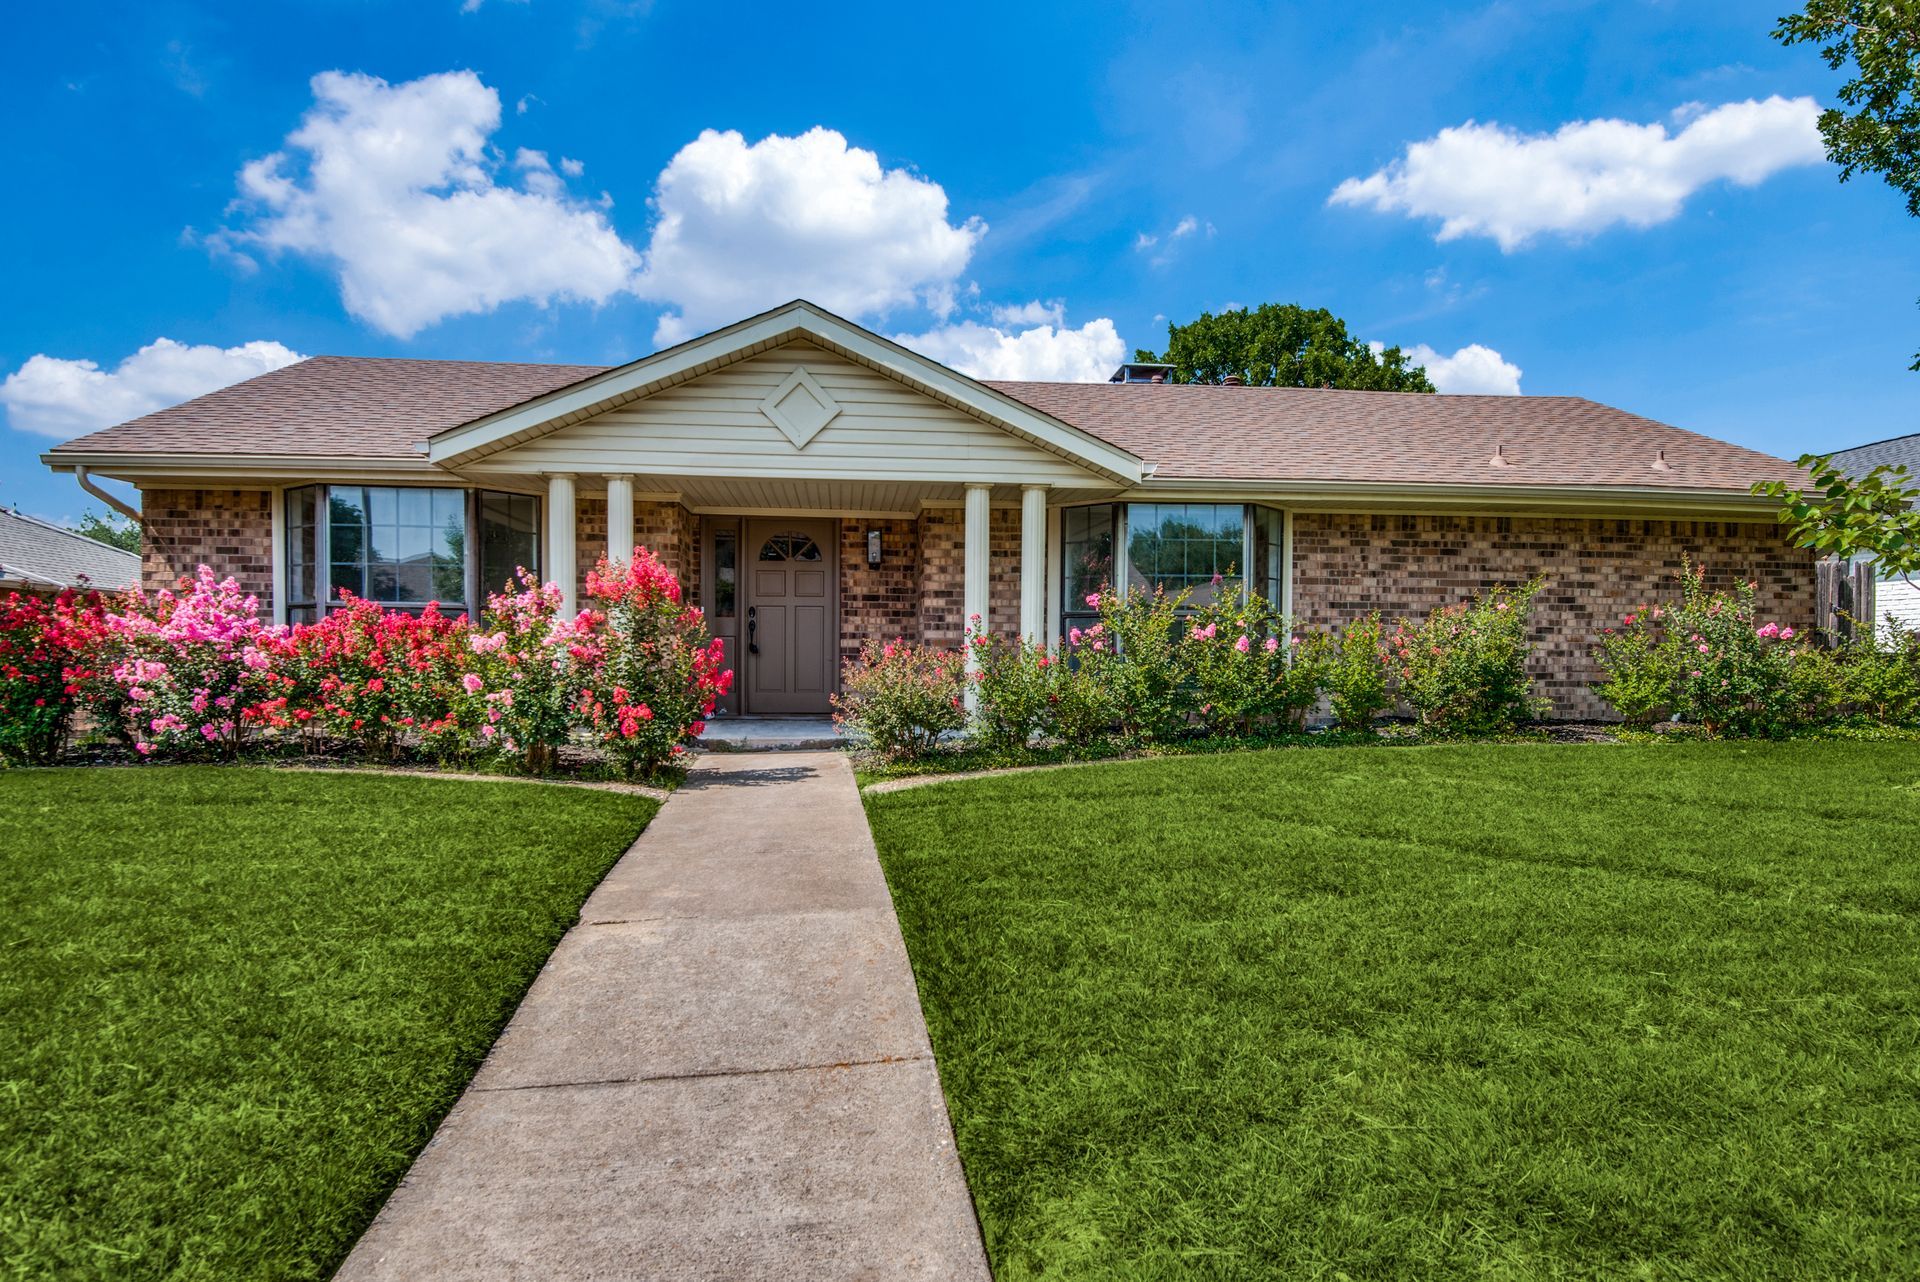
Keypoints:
pixel 1022 190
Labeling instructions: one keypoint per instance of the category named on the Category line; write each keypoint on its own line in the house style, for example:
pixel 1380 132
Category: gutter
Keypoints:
pixel 113 501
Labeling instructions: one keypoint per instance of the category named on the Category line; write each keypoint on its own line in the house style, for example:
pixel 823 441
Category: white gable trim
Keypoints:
pixel 544 414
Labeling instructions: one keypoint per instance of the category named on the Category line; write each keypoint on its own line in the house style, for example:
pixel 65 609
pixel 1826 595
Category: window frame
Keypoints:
pixel 324 599
pixel 1274 580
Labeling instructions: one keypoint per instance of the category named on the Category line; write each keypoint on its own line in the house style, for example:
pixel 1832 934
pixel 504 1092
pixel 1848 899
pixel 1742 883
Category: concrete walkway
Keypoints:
pixel 723 1071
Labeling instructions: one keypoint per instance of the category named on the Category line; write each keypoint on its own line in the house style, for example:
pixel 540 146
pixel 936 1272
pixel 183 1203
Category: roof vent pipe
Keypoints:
pixel 1660 463
pixel 1233 380
pixel 1499 458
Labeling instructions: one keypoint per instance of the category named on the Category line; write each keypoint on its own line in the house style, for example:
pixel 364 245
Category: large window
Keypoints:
pixel 404 546
pixel 1185 547
pixel 1175 546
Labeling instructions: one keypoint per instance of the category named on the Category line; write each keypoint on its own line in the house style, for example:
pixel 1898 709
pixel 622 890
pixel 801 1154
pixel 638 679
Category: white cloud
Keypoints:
pixel 1187 226
pixel 1474 368
pixel 1487 180
pixel 63 398
pixel 742 227
pixel 1053 312
pixel 1043 353
pixel 395 187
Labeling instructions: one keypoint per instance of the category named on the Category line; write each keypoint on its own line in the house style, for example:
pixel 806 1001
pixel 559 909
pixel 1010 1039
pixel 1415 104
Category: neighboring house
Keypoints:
pixel 815 485
pixel 40 557
pixel 1894 596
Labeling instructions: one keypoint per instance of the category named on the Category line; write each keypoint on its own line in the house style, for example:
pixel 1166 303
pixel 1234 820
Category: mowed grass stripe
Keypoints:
pixel 1395 1014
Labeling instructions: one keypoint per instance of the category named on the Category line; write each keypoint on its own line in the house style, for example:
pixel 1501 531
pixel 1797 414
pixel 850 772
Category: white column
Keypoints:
pixel 1033 564
pixel 561 518
pixel 619 518
pixel 976 558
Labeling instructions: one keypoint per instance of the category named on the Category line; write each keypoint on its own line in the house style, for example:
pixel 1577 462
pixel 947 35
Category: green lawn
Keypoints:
pixel 1499 1012
pixel 237 1001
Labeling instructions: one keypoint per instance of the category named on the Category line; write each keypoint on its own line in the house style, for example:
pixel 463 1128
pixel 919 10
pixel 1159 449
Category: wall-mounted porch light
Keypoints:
pixel 873 547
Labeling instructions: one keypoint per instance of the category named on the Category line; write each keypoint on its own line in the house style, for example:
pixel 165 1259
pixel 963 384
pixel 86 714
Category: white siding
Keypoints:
pixel 1898 598
pixel 714 426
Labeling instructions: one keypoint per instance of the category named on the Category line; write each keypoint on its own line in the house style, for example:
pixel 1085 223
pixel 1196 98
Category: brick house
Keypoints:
pixel 815 485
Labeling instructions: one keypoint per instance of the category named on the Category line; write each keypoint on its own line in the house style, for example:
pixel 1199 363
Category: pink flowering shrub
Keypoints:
pixel 527 666
pixel 371 675
pixel 1709 660
pixel 190 667
pixel 1249 667
pixel 899 698
pixel 1136 648
pixel 1015 685
pixel 1463 669
pixel 658 675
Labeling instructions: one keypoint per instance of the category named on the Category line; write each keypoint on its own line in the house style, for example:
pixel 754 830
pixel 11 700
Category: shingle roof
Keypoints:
pixel 334 406
pixel 361 407
pixel 43 555
pixel 1191 430
pixel 1899 450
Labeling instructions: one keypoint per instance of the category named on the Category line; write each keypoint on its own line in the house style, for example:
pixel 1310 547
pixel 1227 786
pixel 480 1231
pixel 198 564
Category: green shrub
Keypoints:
pixel 1880 675
pixel 1356 674
pixel 1015 688
pixel 1141 655
pixel 1081 706
pixel 1249 669
pixel 1463 669
pixel 899 698
pixel 1641 666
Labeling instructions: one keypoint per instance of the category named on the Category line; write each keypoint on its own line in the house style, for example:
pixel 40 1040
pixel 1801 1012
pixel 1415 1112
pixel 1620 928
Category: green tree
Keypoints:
pixel 1283 345
pixel 113 529
pixel 1876 129
pixel 1867 516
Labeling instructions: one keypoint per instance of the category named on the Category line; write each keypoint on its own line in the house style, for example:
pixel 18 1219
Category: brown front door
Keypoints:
pixel 789 569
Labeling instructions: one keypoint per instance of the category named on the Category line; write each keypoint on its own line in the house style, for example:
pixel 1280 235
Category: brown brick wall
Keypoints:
pixel 667 530
pixel 878 603
pixel 943 574
pixel 1595 570
pixel 230 530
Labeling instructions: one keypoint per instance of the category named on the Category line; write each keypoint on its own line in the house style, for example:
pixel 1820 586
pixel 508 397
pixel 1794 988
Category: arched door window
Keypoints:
pixel 791 546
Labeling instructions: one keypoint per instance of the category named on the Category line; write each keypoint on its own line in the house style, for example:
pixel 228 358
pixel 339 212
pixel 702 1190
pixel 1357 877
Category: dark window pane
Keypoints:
pixel 509 538
pixel 449 581
pixel 352 578
pixel 348 539
pixel 725 553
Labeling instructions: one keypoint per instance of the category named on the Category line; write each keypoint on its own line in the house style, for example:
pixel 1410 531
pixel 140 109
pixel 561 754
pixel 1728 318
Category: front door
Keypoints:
pixel 789 571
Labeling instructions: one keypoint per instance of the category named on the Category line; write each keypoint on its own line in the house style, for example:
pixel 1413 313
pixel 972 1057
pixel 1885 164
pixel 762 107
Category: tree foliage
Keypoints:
pixel 1881 39
pixel 1879 130
pixel 113 530
pixel 1868 516
pixel 1283 345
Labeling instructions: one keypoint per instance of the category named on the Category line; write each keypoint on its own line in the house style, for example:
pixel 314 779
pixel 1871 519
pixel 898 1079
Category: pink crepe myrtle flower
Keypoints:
pixel 1272 644
pixel 1093 599
pixel 1767 630
pixel 1786 634
pixel 1704 648
pixel 1243 645
pixel 471 683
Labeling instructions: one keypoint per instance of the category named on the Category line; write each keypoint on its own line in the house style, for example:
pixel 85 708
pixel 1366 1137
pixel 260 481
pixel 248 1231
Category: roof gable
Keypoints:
pixel 798 320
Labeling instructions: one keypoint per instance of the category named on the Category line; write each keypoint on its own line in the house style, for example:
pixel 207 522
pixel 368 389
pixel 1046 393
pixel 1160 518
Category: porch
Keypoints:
pixel 793 592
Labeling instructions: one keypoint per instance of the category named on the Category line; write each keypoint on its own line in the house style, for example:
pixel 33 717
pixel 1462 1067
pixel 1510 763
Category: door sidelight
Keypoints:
pixel 753 625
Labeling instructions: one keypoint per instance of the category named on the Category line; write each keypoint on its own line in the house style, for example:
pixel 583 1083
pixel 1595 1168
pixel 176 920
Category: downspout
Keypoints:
pixel 117 504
